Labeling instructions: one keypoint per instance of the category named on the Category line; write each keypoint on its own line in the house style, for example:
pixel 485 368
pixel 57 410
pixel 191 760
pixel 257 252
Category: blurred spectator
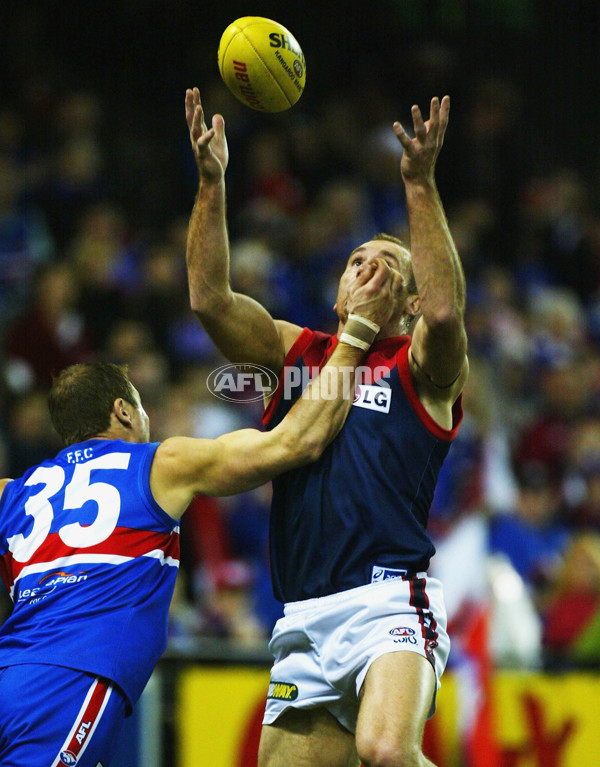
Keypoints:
pixel 259 272
pixel 31 436
pixel 76 177
pixel 565 393
pixel 492 167
pixel 572 609
pixel 50 334
pixel 25 241
pixel 269 174
pixel 185 619
pixel 162 298
pixel 532 535
pixel 105 263
pixel 557 326
pixel 247 522
pixel 582 476
pixel 380 167
pixel 473 223
pixel 338 219
pixel 557 245
pixel 221 583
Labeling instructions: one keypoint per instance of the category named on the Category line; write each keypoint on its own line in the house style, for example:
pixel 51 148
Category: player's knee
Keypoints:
pixel 384 752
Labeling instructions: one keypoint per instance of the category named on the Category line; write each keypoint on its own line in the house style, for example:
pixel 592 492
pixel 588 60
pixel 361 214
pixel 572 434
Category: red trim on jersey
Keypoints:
pixel 409 389
pixel 123 541
pixel 383 356
pixel 313 357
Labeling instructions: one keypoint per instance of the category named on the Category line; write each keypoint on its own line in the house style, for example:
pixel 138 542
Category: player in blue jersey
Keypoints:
pixel 89 542
pixel 349 547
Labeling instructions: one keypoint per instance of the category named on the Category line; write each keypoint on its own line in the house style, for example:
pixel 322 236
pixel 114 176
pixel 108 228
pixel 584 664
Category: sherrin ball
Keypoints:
pixel 262 64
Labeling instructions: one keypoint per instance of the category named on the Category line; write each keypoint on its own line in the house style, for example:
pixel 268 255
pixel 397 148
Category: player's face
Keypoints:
pixel 397 257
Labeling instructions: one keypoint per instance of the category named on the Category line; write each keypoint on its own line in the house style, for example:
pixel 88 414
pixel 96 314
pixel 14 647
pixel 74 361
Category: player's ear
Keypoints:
pixel 122 411
pixel 414 304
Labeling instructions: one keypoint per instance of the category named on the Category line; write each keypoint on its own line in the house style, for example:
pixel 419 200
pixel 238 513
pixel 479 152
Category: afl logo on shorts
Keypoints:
pixel 68 757
pixel 402 631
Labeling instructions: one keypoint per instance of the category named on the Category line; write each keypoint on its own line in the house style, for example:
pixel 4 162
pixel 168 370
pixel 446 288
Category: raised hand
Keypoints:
pixel 208 144
pixel 421 152
pixel 376 292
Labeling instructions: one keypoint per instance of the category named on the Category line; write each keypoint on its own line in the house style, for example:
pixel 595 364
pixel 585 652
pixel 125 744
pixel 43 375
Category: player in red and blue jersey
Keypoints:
pixel 89 546
pixel 349 546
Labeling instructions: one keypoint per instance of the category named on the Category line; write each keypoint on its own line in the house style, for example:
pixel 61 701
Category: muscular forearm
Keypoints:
pixel 207 255
pixel 436 263
pixel 317 417
pixel 239 326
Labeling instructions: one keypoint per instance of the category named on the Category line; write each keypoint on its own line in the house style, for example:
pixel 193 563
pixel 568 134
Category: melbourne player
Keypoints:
pixel 362 644
pixel 89 542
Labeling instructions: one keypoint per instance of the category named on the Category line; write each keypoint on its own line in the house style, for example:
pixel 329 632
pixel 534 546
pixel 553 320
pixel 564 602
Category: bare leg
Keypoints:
pixel 395 701
pixel 307 738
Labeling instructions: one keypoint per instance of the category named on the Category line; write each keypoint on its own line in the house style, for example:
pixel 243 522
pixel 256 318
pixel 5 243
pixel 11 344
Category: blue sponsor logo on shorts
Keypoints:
pixel 379 573
pixel 68 757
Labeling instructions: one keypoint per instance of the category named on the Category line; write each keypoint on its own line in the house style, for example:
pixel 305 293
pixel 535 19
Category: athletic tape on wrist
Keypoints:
pixel 353 341
pixel 369 323
pixel 359 329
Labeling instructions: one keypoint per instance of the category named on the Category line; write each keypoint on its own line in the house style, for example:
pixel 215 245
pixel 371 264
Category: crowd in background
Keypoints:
pixel 88 271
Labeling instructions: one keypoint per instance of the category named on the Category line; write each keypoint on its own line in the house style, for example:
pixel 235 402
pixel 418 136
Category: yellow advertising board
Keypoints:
pixel 540 720
pixel 219 715
pixel 547 721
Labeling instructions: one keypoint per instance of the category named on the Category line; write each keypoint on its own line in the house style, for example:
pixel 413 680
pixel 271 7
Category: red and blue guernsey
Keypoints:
pixel 90 561
pixel 359 514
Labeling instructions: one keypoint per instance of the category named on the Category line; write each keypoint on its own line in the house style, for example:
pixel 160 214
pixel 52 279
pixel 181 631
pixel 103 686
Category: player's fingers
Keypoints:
pixel 203 142
pixel 444 117
pixel 218 123
pixel 418 124
pixel 189 107
pixel 198 123
pixel 192 99
pixel 433 124
pixel 401 135
pixel 381 274
pixel 365 273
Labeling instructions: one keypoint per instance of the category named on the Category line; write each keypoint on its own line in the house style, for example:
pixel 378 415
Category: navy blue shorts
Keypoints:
pixel 57 717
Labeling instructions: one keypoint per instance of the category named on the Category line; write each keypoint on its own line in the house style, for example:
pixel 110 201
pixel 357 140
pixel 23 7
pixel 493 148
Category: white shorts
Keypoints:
pixel 324 647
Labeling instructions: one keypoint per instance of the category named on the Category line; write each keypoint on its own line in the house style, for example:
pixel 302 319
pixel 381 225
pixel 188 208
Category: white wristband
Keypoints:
pixel 369 323
pixel 353 341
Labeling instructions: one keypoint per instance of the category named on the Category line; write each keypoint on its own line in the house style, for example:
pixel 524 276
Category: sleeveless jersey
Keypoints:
pixel 90 560
pixel 358 514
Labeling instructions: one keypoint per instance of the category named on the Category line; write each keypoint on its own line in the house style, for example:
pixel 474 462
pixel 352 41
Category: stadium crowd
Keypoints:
pixel 87 273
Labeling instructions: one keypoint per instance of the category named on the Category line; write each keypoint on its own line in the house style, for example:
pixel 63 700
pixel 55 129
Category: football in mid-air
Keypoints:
pixel 262 64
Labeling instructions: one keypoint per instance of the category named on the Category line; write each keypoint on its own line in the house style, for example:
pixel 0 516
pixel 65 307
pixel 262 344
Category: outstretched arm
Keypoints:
pixel 245 459
pixel 439 345
pixel 240 327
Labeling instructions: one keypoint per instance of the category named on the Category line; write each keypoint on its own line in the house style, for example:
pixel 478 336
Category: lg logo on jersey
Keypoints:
pixel 373 398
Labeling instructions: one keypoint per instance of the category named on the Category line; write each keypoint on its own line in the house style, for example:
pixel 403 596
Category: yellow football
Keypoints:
pixel 262 64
